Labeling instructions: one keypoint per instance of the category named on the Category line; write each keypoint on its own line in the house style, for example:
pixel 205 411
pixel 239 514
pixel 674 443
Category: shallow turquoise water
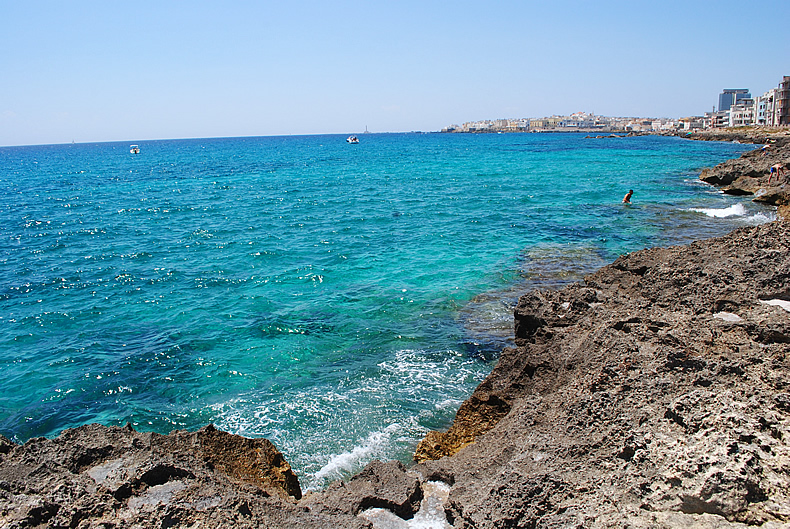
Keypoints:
pixel 339 299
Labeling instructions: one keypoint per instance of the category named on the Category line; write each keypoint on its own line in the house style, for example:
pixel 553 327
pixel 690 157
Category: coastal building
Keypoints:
pixel 545 123
pixel 690 123
pixel 717 120
pixel 580 120
pixel 731 96
pixel 660 125
pixel 741 113
pixel 783 102
pixel 765 108
pixel 737 108
pixel 517 125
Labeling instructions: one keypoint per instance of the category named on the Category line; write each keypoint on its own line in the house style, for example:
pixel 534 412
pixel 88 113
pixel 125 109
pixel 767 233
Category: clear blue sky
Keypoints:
pixel 105 71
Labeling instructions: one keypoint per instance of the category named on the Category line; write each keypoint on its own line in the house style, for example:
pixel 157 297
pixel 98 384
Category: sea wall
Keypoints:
pixel 654 394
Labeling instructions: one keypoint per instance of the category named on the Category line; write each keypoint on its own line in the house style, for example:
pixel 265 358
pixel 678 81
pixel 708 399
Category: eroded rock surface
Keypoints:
pixel 380 485
pixel 95 476
pixel 656 394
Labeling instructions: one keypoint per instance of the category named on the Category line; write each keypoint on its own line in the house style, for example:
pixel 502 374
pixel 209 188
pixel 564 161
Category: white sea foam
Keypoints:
pixel 732 211
pixel 331 431
pixel 342 464
pixel 761 218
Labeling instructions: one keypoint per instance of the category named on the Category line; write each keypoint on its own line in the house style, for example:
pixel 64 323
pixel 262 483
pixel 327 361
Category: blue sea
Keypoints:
pixel 340 300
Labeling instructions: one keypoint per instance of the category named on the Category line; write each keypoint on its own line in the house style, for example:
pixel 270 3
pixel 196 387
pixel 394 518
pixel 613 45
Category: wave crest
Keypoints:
pixel 735 210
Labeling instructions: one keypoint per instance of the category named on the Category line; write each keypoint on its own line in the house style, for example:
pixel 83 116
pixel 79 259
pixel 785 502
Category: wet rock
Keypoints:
pixel 749 174
pixel 379 485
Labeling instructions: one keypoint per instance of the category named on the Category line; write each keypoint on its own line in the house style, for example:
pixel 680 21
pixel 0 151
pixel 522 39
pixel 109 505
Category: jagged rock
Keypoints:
pixel 5 445
pixel 379 485
pixel 633 402
pixel 775 196
pixel 96 476
pixel 748 175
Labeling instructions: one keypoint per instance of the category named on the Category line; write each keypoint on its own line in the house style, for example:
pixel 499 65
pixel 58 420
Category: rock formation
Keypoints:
pixel 748 175
pixel 653 395
pixel 96 476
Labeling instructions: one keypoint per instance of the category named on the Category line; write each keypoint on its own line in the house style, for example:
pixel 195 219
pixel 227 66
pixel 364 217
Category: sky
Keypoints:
pixel 90 71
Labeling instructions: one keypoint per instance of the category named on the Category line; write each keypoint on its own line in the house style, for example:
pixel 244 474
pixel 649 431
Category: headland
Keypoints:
pixel 656 393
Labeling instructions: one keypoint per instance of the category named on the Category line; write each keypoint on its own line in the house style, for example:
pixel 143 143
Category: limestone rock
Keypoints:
pixel 748 175
pixel 632 402
pixel 96 476
pixel 379 485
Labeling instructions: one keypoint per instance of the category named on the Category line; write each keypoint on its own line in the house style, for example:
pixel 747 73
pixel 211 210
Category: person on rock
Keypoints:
pixel 777 170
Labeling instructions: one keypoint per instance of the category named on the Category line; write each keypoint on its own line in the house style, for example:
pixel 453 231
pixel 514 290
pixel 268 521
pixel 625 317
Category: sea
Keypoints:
pixel 339 299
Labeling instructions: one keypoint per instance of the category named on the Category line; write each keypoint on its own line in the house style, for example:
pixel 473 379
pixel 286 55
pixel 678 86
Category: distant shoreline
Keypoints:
pixel 741 134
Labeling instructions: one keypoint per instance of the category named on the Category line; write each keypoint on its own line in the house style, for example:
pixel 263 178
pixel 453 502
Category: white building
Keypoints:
pixel 663 124
pixel 716 120
pixel 765 108
pixel 742 113
pixel 690 123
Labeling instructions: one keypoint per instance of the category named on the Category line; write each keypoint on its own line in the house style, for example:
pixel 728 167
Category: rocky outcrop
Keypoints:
pixel 96 476
pixel 748 175
pixel 379 485
pixel 656 394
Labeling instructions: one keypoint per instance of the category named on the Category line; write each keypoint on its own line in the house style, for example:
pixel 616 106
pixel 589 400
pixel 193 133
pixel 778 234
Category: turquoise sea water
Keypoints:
pixel 340 300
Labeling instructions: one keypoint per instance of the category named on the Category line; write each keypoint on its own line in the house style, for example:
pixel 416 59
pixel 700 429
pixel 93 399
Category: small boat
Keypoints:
pixel 134 149
pixel 352 139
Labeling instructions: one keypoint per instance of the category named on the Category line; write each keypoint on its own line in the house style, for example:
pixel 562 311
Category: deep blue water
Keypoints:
pixel 340 300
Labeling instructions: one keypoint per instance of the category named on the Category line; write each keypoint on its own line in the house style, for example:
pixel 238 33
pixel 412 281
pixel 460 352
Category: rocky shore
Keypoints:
pixel 748 175
pixel 654 394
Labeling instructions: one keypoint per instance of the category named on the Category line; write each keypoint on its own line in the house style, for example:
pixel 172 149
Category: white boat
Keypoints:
pixel 134 149
pixel 352 139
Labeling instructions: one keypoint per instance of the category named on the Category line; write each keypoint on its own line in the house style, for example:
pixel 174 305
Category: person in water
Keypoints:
pixel 627 197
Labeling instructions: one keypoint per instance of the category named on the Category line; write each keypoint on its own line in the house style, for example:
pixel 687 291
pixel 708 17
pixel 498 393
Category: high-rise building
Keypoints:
pixel 783 102
pixel 730 96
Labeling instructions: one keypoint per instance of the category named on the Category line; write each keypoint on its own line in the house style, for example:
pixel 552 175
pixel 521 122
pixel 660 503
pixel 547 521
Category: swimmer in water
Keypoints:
pixel 627 197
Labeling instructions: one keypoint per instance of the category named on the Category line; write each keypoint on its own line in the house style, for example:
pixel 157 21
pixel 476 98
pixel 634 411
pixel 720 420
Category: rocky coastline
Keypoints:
pixel 654 394
pixel 749 174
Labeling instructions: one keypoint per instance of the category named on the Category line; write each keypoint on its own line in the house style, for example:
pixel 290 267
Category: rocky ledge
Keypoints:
pixel 749 174
pixel 655 394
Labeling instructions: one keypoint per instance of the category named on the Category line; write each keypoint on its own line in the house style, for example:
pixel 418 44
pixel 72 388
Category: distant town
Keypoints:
pixel 737 108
